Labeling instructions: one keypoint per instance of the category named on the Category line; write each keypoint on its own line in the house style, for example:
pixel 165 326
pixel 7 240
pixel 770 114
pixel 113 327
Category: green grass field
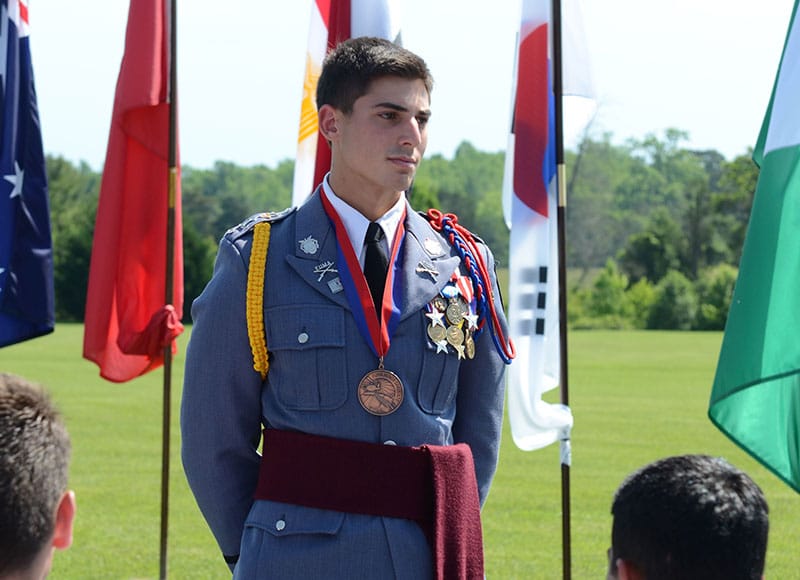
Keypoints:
pixel 636 396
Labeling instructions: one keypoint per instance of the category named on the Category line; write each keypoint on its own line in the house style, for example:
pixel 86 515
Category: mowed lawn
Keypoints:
pixel 636 396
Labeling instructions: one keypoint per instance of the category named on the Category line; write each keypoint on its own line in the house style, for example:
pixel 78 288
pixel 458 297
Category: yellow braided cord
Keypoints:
pixel 255 298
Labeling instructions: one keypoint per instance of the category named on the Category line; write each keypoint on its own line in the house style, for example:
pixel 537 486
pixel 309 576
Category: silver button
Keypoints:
pixel 302 338
pixel 279 525
pixel 389 442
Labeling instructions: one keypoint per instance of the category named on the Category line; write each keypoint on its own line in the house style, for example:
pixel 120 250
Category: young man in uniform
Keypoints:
pixel 689 516
pixel 367 341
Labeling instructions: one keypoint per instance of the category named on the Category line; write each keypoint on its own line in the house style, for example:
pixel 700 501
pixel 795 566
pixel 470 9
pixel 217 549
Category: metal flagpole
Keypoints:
pixel 170 16
pixel 562 283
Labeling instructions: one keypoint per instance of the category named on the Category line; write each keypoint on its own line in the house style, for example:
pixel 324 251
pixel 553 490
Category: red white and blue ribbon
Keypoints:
pixel 377 333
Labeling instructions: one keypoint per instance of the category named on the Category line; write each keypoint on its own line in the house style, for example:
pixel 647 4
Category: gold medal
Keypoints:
pixel 380 392
pixel 437 332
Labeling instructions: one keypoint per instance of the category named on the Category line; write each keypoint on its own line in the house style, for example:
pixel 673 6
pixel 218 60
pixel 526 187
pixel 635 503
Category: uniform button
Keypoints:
pixel 302 338
pixel 279 525
pixel 389 442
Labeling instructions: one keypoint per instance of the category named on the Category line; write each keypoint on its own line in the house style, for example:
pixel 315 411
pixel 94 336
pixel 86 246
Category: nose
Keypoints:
pixel 413 134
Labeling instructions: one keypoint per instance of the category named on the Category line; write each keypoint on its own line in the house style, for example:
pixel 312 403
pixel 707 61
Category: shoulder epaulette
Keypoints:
pixel 434 218
pixel 257 218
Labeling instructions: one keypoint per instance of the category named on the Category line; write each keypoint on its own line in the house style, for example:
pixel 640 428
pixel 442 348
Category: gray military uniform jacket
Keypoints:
pixel 317 357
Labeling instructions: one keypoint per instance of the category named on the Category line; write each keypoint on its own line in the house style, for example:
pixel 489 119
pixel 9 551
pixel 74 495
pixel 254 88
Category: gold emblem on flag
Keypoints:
pixel 308 109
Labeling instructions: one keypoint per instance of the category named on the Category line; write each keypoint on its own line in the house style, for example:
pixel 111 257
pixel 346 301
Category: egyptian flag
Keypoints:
pixel 332 21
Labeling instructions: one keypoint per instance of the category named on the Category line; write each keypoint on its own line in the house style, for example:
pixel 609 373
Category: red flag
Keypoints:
pixel 127 323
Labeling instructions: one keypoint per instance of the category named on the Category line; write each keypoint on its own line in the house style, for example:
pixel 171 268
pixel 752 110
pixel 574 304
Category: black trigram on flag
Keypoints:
pixel 534 300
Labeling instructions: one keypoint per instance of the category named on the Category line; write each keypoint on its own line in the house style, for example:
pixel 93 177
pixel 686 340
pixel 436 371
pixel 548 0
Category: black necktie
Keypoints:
pixel 376 264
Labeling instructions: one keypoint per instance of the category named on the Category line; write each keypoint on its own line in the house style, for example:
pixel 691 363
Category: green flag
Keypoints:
pixel 756 395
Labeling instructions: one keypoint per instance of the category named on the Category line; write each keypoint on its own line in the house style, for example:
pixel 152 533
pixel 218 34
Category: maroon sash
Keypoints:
pixel 432 485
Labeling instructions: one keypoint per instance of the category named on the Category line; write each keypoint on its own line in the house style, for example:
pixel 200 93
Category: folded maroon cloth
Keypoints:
pixel 457 521
pixel 432 485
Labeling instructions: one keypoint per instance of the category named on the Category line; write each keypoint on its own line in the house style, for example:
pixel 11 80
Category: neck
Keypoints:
pixel 370 203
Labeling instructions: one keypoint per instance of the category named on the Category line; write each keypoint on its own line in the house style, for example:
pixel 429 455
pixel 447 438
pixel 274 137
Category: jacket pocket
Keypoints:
pixel 276 533
pixel 306 345
pixel 438 380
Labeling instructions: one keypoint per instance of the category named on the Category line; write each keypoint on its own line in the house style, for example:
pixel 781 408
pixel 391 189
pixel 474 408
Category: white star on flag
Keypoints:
pixel 16 180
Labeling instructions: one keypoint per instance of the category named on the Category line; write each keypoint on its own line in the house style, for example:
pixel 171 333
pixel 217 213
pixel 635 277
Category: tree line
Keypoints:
pixel 654 230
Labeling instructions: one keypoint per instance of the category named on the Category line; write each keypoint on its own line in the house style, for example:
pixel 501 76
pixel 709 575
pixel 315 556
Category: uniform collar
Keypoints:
pixel 356 224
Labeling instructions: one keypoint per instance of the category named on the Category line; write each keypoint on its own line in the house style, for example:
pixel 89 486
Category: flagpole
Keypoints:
pixel 562 283
pixel 172 177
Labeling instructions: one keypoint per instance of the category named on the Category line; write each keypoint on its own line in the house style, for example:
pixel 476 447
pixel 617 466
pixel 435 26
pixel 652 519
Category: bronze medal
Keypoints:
pixel 457 309
pixel 454 312
pixel 455 336
pixel 380 392
pixel 437 332
pixel 439 303
pixel 469 346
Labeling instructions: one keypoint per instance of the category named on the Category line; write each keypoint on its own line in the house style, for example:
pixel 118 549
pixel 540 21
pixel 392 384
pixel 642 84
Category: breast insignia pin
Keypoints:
pixel 309 245
pixel 433 247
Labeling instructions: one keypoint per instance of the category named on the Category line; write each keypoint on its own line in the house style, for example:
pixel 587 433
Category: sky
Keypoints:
pixel 703 66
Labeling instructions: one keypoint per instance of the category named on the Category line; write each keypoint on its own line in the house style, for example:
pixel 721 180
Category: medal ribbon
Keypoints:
pixel 376 332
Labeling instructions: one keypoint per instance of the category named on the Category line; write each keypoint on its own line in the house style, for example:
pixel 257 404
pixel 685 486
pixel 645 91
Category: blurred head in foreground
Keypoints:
pixel 690 516
pixel 36 508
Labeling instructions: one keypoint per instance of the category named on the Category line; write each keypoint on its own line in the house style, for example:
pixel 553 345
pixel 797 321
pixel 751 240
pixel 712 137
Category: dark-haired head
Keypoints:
pixel 689 516
pixel 353 64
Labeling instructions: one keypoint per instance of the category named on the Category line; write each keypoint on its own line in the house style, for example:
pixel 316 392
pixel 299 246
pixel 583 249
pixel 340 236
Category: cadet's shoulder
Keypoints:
pixel 247 225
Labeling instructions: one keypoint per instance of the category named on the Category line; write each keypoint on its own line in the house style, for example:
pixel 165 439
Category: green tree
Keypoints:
pixel 73 204
pixel 641 296
pixel 198 265
pixel 608 297
pixel 675 305
pixel 731 203
pixel 655 251
pixel 714 293
pixel 594 232
pixel 606 305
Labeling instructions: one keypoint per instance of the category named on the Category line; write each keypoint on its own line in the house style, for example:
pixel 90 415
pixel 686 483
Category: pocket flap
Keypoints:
pixel 281 519
pixel 301 327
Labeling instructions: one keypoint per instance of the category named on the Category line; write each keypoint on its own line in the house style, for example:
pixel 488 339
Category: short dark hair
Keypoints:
pixel 353 64
pixel 691 516
pixel 34 460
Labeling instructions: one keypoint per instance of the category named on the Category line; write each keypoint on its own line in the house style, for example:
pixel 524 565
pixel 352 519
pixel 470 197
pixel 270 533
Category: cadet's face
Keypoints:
pixel 380 144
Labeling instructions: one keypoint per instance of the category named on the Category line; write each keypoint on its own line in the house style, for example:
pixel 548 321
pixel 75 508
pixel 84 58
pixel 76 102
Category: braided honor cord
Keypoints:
pixel 467 249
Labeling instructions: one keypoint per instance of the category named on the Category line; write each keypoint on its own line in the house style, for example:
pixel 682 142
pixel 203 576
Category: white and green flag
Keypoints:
pixel 756 395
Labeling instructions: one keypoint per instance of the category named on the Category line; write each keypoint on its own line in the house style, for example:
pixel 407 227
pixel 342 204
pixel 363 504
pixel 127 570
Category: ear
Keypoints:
pixel 328 122
pixel 65 516
pixel 627 571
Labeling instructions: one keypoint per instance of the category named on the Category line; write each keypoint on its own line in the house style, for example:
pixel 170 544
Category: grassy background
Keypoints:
pixel 636 396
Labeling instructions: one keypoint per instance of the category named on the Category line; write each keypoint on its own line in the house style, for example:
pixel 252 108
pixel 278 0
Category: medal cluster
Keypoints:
pixel 453 322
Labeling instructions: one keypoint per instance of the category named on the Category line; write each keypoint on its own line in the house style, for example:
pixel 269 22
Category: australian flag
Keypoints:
pixel 27 304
